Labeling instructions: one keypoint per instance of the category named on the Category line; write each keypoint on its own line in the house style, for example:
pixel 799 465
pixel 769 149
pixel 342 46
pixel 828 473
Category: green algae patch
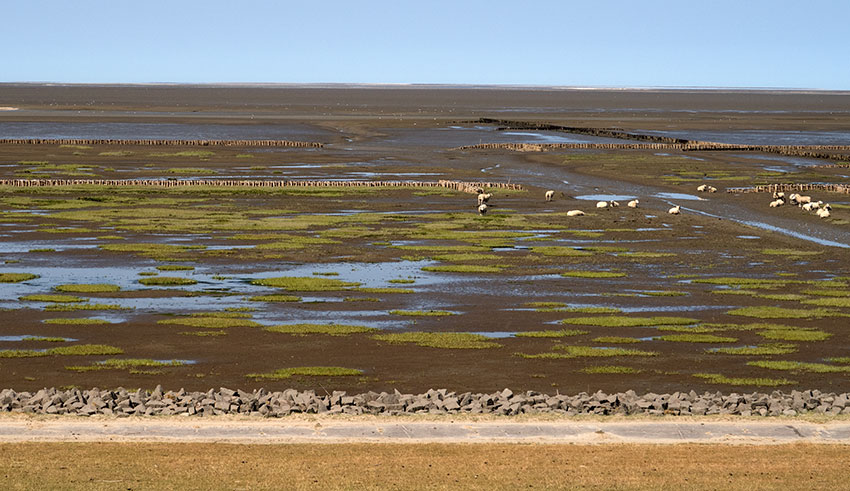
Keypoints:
pixel 125 364
pixel 789 252
pixel 771 312
pixel 167 281
pixel 274 298
pixel 765 349
pixel 466 256
pixel 551 333
pixel 463 268
pixel 422 313
pixel 384 290
pixel 85 350
pixel 211 322
pixel 330 329
pixel 565 352
pixel 795 334
pixel 593 274
pixel 72 307
pixel 22 353
pixel 87 288
pixel 697 338
pixel 82 321
pixel 16 277
pixel 716 378
pixel 615 340
pixel 842 302
pixel 175 267
pixel 448 340
pixel 664 293
pixel 582 310
pixel 624 321
pixel 306 284
pixel 747 283
pixel 610 369
pixel 560 251
pixel 285 373
pixel 51 298
pixel 798 366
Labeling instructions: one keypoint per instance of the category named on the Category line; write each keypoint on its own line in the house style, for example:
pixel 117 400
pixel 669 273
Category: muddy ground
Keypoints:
pixel 755 298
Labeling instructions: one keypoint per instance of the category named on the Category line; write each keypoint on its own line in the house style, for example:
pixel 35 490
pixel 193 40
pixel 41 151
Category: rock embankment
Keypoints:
pixel 121 403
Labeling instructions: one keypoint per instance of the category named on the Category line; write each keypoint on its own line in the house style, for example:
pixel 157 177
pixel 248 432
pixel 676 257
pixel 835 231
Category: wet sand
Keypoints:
pixel 409 133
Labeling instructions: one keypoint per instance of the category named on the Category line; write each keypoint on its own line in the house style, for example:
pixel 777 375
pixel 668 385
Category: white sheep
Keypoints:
pixel 602 204
pixel 675 210
pixel 614 203
pixel 575 213
pixel 778 195
pixel 823 213
pixel 808 206
pixel 702 188
pixel 777 202
pixel 483 198
pixel 482 208
pixel 712 189
pixel 550 194
pixel 803 199
pixel 633 203
pixel 826 207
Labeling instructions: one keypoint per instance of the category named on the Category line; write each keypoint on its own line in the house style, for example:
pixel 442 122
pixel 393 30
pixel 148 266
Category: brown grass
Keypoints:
pixel 421 466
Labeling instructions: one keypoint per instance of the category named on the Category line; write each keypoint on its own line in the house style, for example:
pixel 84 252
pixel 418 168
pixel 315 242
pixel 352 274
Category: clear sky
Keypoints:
pixel 741 43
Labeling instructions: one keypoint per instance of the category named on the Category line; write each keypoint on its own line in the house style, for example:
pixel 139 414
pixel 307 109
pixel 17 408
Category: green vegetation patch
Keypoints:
pixel 88 288
pixel 828 293
pixel 663 293
pixel 402 281
pixel 716 378
pixel 71 307
pixel 754 283
pixel 795 334
pixel 450 340
pixel 306 284
pixel 82 321
pixel 560 251
pixel 594 274
pixel 211 321
pixel 285 373
pixel 466 256
pixel 52 298
pixel 551 333
pixel 463 268
pixel 175 267
pixel 765 349
pixel 125 364
pixel 22 353
pixel 16 277
pixel 610 369
pixel 587 352
pixel 190 170
pixel 545 305
pixel 697 338
pixel 275 298
pixel 85 350
pixel 422 313
pixel 615 340
pixel 583 310
pixel 624 321
pixel 843 302
pixel 771 312
pixel 331 329
pixel 385 290
pixel 46 339
pixel 167 281
pixel 799 366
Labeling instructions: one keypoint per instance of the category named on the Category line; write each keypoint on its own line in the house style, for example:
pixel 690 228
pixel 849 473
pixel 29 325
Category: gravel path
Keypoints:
pixel 319 431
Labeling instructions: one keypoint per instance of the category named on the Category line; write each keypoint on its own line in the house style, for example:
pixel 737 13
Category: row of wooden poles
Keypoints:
pixel 467 187
pixel 172 143
pixel 775 188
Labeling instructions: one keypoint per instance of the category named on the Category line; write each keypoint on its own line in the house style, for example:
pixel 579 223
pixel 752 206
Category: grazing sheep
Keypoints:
pixel 614 203
pixel 575 213
pixel 823 213
pixel 826 207
pixel 808 206
pixel 675 210
pixel 482 208
pixel 633 203
pixel 549 195
pixel 483 198
pixel 602 204
pixel 702 188
pixel 712 189
pixel 777 202
pixel 803 199
pixel 778 195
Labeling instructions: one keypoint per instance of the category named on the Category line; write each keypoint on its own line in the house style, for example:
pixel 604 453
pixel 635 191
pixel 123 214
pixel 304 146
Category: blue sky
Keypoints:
pixel 743 43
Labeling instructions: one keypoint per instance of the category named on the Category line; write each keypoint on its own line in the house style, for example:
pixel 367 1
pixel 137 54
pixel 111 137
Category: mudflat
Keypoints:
pixel 339 286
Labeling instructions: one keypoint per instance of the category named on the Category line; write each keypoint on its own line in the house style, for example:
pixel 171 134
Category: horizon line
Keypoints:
pixel 402 85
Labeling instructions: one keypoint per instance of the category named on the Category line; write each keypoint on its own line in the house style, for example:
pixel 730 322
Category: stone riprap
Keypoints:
pixel 121 402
